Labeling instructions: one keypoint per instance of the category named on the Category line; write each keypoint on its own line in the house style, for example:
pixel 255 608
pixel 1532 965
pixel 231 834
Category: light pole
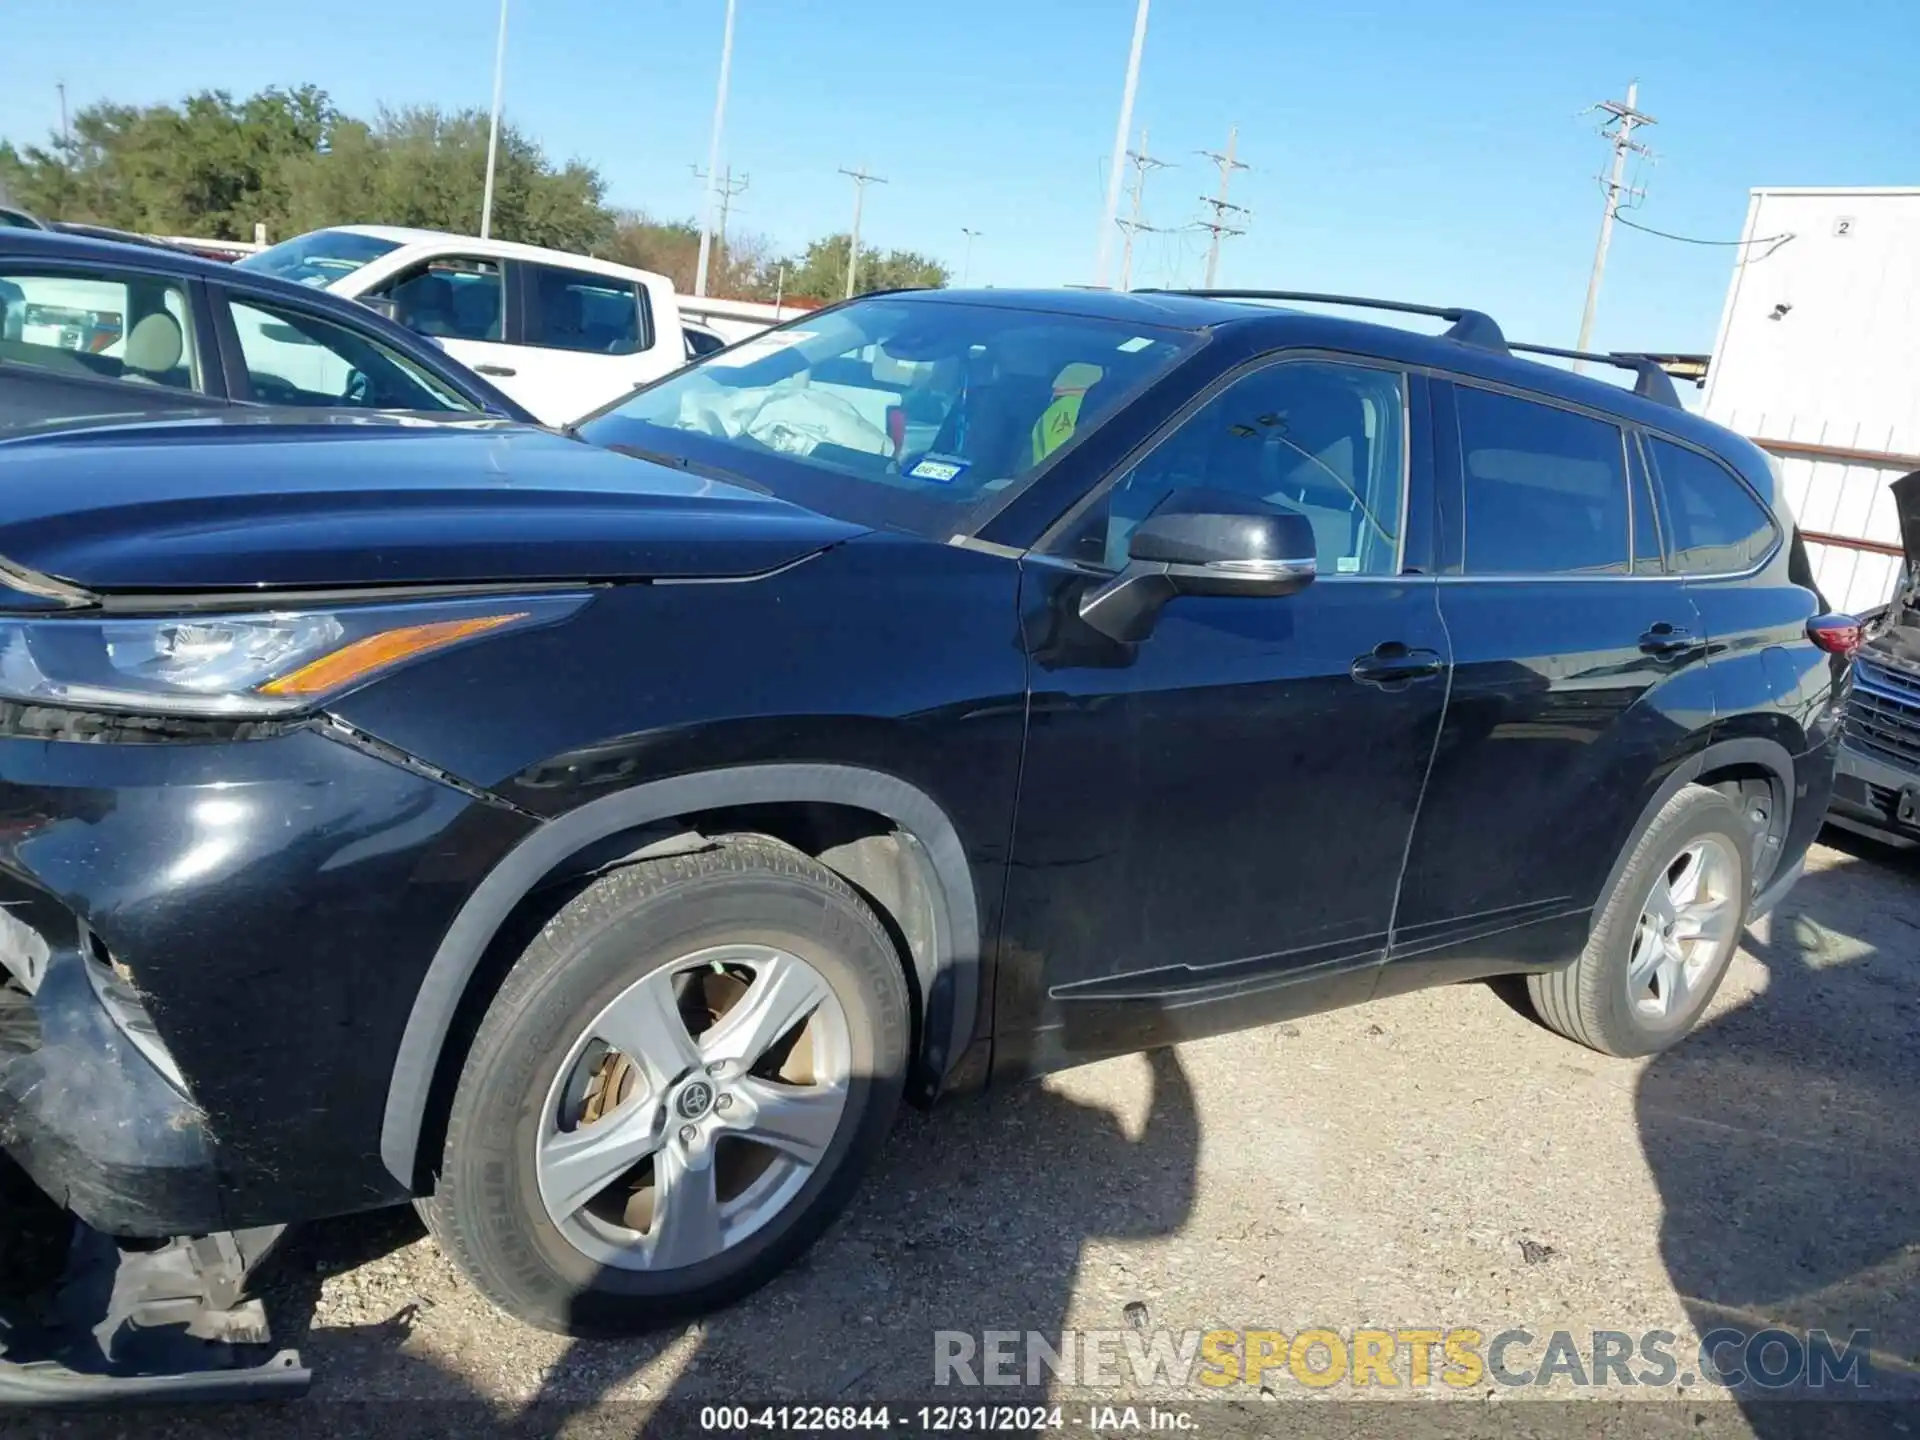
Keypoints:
pixel 493 128
pixel 966 265
pixel 1119 160
pixel 713 155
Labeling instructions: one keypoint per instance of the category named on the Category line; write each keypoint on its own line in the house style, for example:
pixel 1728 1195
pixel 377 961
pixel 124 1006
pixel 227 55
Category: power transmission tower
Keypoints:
pixel 723 190
pixel 1618 128
pixel 1142 161
pixel 861 179
pixel 1221 209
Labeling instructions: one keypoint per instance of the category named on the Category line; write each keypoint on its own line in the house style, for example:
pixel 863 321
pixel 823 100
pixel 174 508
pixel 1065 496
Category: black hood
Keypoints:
pixel 224 503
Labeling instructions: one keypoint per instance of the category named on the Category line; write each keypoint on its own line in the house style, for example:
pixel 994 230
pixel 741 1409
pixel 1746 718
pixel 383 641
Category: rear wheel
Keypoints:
pixel 674 1091
pixel 1664 937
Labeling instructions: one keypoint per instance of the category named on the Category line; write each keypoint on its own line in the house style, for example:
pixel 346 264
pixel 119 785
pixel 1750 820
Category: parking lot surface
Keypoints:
pixel 1432 1161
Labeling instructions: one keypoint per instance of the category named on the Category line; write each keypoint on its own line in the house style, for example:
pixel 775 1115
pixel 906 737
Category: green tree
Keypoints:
pixel 821 273
pixel 215 167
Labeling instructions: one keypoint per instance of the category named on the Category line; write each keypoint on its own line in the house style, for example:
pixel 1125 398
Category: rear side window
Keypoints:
pixel 100 325
pixel 574 310
pixel 1546 489
pixel 1714 525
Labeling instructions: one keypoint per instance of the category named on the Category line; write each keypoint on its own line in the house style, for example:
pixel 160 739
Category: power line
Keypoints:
pixel 1618 128
pixel 861 179
pixel 1221 209
pixel 1133 225
pixel 1780 239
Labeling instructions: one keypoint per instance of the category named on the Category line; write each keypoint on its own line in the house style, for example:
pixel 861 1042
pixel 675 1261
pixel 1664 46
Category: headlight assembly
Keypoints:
pixel 268 663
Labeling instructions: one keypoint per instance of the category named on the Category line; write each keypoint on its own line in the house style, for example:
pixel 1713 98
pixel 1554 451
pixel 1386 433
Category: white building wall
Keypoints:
pixel 1838 366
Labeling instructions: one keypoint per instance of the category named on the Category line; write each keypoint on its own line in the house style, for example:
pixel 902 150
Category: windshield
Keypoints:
pixel 897 410
pixel 320 258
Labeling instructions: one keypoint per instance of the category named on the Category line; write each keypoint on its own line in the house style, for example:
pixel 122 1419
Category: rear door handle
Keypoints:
pixel 1392 665
pixel 1665 639
pixel 496 370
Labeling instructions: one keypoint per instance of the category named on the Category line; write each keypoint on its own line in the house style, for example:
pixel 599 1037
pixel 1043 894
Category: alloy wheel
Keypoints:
pixel 694 1107
pixel 1683 930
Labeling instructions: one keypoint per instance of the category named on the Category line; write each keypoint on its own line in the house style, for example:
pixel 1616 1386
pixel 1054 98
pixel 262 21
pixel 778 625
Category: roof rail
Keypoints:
pixel 1652 383
pixel 1469 327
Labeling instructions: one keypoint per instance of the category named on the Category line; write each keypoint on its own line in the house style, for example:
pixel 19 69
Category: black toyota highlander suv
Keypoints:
pixel 594 836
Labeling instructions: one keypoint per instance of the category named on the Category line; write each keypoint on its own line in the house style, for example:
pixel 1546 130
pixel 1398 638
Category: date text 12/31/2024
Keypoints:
pixel 938 1419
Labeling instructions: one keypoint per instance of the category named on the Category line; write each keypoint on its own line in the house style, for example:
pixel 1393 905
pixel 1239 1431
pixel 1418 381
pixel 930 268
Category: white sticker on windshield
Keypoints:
pixel 941 472
pixel 1347 565
pixel 1135 345
pixel 761 346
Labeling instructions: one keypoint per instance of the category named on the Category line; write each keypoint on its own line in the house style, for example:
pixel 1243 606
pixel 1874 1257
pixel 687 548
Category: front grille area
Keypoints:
pixel 1883 716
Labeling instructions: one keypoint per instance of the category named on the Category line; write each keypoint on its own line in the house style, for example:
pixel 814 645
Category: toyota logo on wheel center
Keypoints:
pixel 694 1100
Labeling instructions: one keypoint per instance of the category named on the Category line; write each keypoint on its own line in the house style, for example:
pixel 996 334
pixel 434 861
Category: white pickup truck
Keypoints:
pixel 562 334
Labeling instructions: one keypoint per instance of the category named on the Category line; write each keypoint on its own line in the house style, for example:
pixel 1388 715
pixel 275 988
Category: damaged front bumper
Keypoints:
pixel 83 1109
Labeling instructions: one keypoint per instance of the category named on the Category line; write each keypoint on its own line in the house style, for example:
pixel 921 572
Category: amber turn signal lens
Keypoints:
pixel 375 652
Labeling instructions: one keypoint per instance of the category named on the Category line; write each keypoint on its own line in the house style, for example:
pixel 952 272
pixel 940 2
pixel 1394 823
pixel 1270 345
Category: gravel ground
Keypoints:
pixel 1433 1160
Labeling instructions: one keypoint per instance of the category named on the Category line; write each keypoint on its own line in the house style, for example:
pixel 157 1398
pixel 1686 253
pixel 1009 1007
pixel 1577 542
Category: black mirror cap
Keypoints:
pixel 1219 542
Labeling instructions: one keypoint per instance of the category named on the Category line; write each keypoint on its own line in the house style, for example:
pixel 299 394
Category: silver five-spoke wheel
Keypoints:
pixel 1683 928
pixel 692 1107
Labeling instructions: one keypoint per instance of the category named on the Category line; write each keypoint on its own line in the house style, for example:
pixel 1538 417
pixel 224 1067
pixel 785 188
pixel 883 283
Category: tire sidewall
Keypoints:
pixel 507 1082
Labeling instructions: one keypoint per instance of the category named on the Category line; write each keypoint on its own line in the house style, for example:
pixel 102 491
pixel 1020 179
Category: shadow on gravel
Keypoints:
pixel 976 1217
pixel 1782 1138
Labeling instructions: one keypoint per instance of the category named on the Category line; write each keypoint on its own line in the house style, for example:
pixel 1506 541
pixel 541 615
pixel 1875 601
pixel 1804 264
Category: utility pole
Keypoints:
pixel 1618 128
pixel 1142 162
pixel 713 153
pixel 66 131
pixel 493 126
pixel 1221 209
pixel 727 189
pixel 966 265
pixel 861 179
pixel 1111 213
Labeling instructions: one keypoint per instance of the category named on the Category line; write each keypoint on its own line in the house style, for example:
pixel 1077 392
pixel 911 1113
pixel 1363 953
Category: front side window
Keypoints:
pixel 297 359
pixel 1546 488
pixel 319 258
pixel 102 325
pixel 1325 439
pixel 898 410
pixel 1715 525
pixel 453 297
pixel 575 310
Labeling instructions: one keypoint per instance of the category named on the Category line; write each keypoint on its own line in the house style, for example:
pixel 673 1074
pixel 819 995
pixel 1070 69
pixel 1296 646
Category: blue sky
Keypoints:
pixel 1432 151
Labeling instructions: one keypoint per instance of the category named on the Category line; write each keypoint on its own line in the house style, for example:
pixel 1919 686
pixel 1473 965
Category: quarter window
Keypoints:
pixel 293 358
pixel 100 325
pixel 1327 440
pixel 1714 524
pixel 1546 489
pixel 574 310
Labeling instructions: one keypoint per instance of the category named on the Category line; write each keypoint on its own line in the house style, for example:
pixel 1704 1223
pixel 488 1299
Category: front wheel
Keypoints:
pixel 674 1091
pixel 1664 937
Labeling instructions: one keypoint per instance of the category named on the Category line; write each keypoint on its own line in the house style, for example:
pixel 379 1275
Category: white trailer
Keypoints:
pixel 1818 360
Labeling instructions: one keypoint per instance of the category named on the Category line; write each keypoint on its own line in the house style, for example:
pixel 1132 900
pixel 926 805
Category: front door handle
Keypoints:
pixel 496 370
pixel 1391 665
pixel 1665 639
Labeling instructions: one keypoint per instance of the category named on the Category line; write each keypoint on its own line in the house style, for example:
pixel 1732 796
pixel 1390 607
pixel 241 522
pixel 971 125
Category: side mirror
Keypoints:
pixel 1202 542
pixel 381 305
